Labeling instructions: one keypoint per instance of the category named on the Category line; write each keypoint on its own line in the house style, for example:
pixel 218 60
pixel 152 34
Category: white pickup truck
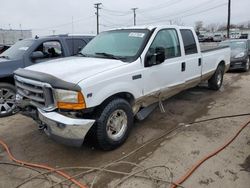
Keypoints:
pixel 119 75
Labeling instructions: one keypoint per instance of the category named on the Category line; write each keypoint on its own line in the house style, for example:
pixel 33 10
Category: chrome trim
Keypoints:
pixel 65 129
pixel 44 90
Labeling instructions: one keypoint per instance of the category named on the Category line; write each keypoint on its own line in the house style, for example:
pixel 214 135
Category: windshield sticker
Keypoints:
pixel 140 35
pixel 24 48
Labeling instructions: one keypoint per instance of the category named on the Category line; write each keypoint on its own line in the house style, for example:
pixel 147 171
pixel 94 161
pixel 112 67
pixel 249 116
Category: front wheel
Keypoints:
pixel 7 99
pixel 216 80
pixel 114 124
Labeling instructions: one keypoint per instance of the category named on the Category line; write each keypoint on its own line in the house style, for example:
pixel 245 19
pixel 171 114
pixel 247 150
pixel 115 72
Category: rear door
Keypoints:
pixel 75 45
pixel 193 63
pixel 164 77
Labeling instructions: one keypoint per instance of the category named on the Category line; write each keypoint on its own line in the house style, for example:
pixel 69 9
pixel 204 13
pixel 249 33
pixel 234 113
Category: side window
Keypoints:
pixel 50 49
pixel 189 41
pixel 167 39
pixel 75 45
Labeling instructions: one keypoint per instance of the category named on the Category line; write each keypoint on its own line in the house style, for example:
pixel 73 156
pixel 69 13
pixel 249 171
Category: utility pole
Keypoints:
pixel 97 6
pixel 20 25
pixel 134 9
pixel 228 18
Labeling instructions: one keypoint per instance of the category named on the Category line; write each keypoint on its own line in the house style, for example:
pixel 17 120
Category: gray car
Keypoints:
pixel 240 53
pixel 29 52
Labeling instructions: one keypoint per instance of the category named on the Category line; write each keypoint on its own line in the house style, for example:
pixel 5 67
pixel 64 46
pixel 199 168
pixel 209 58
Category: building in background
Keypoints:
pixel 11 36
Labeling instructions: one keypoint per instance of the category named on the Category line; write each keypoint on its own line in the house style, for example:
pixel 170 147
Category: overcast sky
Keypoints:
pixel 44 16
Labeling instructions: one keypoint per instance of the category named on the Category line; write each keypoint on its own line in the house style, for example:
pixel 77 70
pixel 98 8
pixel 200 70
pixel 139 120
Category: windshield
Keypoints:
pixel 119 44
pixel 17 50
pixel 234 44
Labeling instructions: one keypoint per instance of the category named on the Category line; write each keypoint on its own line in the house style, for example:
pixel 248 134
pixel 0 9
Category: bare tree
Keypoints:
pixel 178 22
pixel 213 27
pixel 198 26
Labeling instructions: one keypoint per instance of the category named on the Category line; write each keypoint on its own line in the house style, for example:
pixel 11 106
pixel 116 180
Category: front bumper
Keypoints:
pixel 237 64
pixel 66 130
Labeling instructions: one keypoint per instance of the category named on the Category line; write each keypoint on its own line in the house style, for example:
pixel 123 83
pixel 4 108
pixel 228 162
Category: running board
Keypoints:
pixel 143 113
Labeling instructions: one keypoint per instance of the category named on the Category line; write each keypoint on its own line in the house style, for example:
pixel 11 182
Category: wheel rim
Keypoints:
pixel 219 78
pixel 7 100
pixel 117 125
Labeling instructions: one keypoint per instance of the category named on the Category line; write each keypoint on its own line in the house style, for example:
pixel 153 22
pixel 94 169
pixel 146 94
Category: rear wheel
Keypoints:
pixel 114 124
pixel 7 99
pixel 216 80
pixel 247 65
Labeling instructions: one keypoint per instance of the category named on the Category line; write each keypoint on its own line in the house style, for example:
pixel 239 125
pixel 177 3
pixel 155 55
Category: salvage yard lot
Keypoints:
pixel 178 151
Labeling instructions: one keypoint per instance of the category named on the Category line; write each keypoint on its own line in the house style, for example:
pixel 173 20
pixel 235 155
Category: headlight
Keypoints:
pixel 71 100
pixel 241 54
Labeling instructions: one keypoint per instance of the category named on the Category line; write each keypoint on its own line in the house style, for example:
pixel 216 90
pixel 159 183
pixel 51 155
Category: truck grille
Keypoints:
pixel 39 94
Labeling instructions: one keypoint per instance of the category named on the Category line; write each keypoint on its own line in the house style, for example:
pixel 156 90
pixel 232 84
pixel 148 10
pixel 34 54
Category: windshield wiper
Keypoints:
pixel 82 54
pixel 108 55
pixel 4 56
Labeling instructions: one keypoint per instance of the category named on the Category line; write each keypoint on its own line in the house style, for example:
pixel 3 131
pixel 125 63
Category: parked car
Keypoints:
pixel 240 53
pixel 218 38
pixel 3 48
pixel 201 38
pixel 121 75
pixel 29 52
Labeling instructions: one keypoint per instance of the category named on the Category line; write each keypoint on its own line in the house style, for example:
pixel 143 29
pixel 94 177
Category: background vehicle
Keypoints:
pixel 3 48
pixel 29 52
pixel 240 53
pixel 201 38
pixel 218 38
pixel 122 73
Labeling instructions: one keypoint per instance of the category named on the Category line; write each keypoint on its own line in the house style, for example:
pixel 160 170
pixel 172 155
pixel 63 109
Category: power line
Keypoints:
pixel 115 11
pixel 160 6
pixel 183 11
pixel 86 19
pixel 187 15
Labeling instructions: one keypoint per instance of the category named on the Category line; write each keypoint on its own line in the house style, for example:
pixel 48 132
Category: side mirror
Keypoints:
pixel 156 58
pixel 37 55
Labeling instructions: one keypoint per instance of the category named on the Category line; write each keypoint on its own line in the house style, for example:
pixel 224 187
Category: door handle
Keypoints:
pixel 183 66
pixel 199 62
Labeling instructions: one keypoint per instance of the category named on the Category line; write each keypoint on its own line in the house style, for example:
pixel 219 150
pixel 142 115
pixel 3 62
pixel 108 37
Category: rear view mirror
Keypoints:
pixel 37 55
pixel 156 58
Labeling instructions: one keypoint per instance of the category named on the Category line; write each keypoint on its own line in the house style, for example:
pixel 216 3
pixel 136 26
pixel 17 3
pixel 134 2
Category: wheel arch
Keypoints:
pixel 8 79
pixel 129 97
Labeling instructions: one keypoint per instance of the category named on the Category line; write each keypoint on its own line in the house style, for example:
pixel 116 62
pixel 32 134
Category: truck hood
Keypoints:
pixel 75 69
pixel 237 51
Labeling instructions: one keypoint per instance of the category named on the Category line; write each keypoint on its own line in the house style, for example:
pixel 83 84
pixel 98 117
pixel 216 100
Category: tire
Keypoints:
pixel 247 65
pixel 7 99
pixel 216 80
pixel 114 124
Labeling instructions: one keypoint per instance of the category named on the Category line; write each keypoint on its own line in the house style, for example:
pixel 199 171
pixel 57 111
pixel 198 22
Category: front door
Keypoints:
pixel 163 79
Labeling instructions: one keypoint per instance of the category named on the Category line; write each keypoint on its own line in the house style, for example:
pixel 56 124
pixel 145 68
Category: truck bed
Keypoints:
pixel 206 47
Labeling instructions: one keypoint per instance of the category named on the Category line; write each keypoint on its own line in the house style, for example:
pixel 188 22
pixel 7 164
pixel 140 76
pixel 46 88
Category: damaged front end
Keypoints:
pixel 36 100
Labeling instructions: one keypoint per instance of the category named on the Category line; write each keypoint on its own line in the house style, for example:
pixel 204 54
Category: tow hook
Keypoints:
pixel 42 126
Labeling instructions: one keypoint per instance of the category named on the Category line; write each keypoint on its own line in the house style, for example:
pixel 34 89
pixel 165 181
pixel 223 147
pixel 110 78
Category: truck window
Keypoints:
pixel 50 49
pixel 168 39
pixel 189 41
pixel 75 45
